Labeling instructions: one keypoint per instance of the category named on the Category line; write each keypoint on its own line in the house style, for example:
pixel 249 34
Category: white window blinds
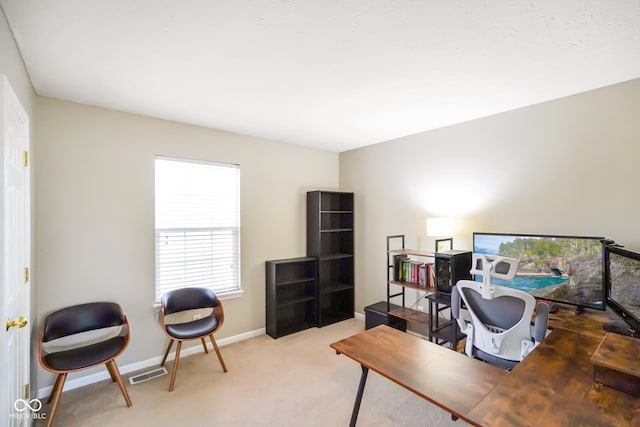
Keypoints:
pixel 197 234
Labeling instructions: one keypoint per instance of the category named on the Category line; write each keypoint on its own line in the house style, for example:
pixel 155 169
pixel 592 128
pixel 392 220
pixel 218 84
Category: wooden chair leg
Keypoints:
pixel 215 347
pixel 56 398
pixel 204 344
pixel 55 388
pixel 166 353
pixel 111 373
pixel 175 366
pixel 111 365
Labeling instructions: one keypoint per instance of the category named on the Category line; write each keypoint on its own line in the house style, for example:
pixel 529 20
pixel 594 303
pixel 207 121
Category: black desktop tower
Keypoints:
pixel 450 267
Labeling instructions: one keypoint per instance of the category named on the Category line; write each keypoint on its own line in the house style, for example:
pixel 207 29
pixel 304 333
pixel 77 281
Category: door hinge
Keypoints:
pixel 26 275
pixel 26 159
pixel 26 392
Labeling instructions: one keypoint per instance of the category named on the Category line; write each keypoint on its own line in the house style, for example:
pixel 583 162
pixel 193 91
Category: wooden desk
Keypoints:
pixel 553 386
pixel 616 363
pixel 450 380
pixel 588 323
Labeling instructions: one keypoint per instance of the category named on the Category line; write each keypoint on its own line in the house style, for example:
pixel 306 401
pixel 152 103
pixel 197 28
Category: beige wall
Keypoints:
pixel 12 66
pixel 569 166
pixel 95 187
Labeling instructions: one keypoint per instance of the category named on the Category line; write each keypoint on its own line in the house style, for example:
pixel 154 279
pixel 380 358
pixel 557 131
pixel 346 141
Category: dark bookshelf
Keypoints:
pixel 330 240
pixel 292 295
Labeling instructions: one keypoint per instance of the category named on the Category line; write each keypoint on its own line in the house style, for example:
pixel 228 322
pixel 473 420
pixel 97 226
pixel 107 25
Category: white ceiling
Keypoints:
pixel 333 74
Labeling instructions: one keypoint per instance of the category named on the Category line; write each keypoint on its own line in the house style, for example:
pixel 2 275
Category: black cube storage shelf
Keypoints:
pixel 292 295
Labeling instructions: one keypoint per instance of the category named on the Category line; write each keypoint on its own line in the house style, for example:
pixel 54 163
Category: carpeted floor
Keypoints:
pixel 295 380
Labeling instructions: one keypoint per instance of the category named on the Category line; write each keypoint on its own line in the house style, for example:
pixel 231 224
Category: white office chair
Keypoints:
pixel 497 319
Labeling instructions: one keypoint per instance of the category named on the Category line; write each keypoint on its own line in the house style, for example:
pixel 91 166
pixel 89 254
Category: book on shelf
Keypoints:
pixel 427 275
pixel 397 266
pixel 410 271
pixel 406 276
pixel 415 268
pixel 407 270
pixel 422 275
pixel 431 276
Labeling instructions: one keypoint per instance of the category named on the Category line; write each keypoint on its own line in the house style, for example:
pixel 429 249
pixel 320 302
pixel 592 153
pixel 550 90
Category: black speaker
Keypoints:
pixel 451 266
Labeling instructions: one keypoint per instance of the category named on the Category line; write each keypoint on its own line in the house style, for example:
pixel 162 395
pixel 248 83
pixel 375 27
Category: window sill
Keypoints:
pixel 230 295
pixel 222 297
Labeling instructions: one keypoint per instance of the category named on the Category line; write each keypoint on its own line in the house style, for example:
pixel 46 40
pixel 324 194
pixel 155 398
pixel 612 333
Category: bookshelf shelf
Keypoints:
pixel 330 287
pixel 411 315
pixel 296 300
pixel 336 230
pixel 410 285
pixel 420 279
pixel 334 256
pixel 412 252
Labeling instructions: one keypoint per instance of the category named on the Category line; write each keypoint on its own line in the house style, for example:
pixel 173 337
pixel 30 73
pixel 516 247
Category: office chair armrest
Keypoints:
pixel 455 303
pixel 541 322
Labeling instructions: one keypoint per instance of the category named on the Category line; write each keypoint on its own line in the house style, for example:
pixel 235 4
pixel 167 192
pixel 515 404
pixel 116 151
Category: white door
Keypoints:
pixel 16 409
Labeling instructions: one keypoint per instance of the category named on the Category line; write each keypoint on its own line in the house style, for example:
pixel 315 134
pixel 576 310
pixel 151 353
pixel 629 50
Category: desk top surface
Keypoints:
pixel 620 353
pixel 553 386
pixel 448 379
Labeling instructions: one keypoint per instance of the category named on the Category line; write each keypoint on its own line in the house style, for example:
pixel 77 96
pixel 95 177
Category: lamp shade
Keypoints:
pixel 437 227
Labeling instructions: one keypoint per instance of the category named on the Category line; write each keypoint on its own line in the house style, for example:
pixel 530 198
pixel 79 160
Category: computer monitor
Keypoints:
pixel 563 269
pixel 622 277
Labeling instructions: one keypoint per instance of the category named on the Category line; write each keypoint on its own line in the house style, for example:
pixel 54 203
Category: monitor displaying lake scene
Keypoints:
pixel 563 269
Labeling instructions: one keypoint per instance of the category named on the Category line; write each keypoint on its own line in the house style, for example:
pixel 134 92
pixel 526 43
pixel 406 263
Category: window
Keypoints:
pixel 197 225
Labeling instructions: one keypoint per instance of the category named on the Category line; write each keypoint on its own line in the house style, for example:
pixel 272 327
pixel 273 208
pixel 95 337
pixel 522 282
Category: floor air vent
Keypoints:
pixel 146 376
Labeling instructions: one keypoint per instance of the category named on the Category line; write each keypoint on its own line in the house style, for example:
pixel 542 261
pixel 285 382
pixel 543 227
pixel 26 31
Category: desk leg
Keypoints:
pixel 356 405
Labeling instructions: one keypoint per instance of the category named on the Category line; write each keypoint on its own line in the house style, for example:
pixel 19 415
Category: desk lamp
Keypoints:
pixel 441 229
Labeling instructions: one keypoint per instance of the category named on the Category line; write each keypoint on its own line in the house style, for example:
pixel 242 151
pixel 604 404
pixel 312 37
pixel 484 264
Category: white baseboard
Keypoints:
pixel 359 316
pixel 154 361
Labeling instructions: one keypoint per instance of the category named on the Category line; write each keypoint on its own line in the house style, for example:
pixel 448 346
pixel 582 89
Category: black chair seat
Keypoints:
pixel 86 356
pixel 194 329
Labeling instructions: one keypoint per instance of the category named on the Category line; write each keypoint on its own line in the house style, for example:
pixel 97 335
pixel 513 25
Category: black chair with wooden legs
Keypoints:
pixel 184 300
pixel 105 336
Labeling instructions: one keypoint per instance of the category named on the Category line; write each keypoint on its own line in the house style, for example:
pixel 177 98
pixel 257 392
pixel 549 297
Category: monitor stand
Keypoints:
pixel 620 328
